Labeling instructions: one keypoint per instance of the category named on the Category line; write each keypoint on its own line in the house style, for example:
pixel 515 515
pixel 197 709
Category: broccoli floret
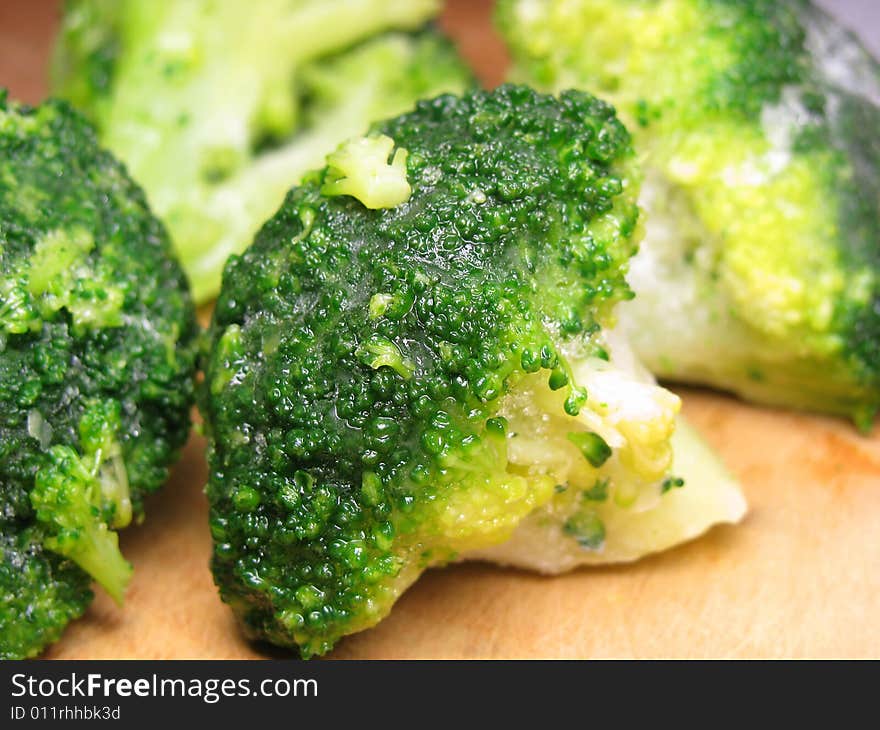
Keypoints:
pixel 97 357
pixel 369 169
pixel 69 505
pixel 394 388
pixel 760 272
pixel 218 108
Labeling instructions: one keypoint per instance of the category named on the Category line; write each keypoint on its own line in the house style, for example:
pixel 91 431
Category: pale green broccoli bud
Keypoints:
pixel 379 352
pixel 366 169
pixel 379 304
pixel 60 275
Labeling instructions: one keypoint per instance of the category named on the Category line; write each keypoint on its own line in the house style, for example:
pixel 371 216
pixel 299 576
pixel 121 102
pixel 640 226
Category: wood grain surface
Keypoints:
pixel 800 577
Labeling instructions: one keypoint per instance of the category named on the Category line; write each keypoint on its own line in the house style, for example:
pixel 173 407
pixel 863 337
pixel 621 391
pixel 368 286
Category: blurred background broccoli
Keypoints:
pixel 218 108
pixel 758 122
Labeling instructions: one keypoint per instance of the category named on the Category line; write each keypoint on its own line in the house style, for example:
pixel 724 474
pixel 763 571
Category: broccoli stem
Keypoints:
pixel 70 506
pixel 95 549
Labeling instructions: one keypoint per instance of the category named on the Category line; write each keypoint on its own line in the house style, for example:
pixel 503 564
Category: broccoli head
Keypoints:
pixel 218 108
pixel 97 357
pixel 411 360
pixel 760 272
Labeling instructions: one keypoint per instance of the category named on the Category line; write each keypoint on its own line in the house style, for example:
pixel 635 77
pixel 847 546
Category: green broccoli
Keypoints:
pixel 40 593
pixel 391 388
pixel 758 120
pixel 218 108
pixel 97 358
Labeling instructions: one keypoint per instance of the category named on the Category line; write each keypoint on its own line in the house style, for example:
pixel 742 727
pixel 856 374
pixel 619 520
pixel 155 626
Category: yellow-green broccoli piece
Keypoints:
pixel 760 271
pixel 218 108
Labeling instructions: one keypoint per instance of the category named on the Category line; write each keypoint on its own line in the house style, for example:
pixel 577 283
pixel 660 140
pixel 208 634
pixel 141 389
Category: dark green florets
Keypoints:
pixel 40 593
pixel 361 356
pixel 96 365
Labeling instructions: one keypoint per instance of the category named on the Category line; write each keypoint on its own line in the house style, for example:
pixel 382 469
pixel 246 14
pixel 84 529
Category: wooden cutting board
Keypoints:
pixel 800 577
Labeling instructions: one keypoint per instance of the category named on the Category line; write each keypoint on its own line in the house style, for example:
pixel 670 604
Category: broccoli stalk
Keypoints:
pixel 760 271
pixel 69 504
pixel 379 78
pixel 392 388
pixel 218 108
pixel 592 527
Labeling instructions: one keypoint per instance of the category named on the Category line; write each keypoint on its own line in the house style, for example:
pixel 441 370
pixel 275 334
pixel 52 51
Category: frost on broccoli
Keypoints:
pixel 397 388
pixel 760 272
pixel 219 108
pixel 97 359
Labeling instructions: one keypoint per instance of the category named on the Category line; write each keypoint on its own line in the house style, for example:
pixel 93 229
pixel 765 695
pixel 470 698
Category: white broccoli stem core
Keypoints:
pixel 626 505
